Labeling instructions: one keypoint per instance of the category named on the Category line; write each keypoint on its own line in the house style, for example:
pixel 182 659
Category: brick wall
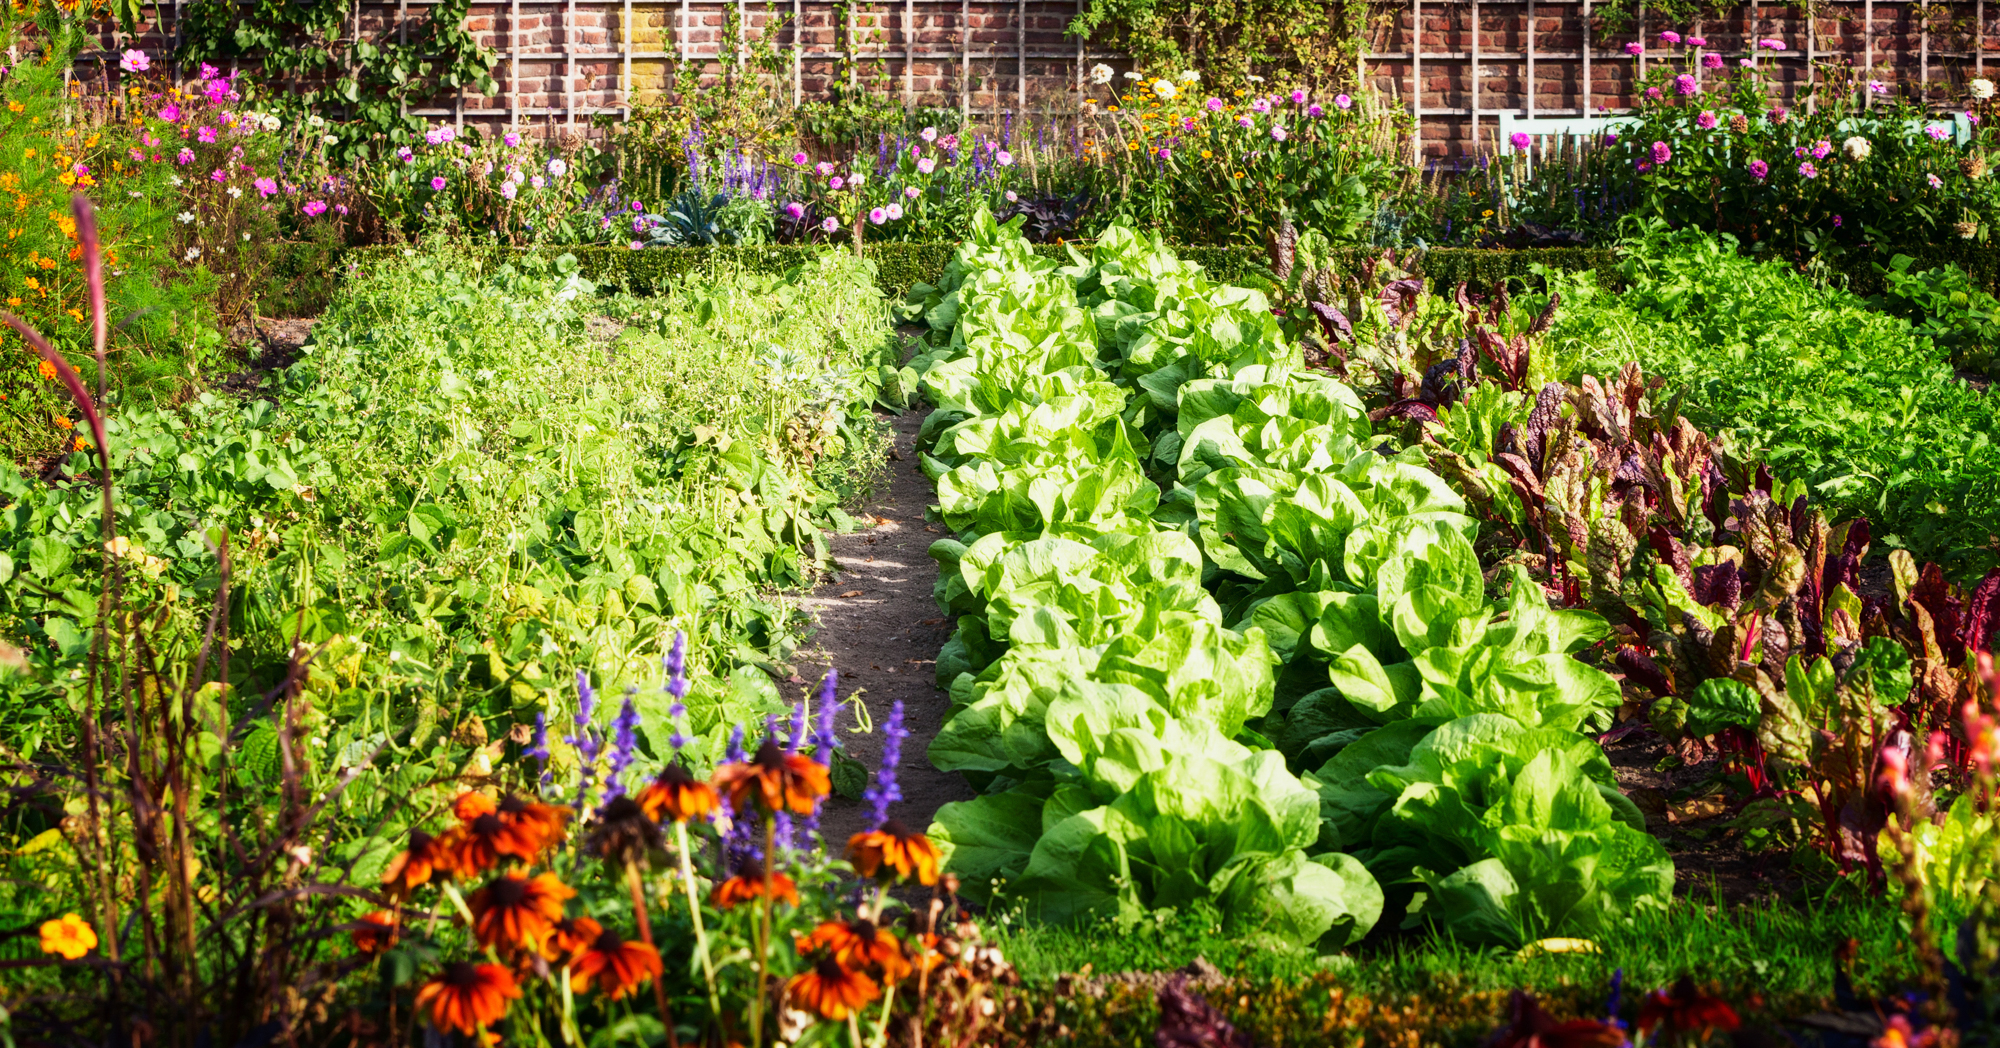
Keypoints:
pixel 563 62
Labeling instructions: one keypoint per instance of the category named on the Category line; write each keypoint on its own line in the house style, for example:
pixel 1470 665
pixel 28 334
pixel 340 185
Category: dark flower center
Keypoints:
pixel 769 756
pixel 462 975
pixel 608 941
pixel 419 840
pixel 486 825
pixel 830 971
pixel 863 929
pixel 508 891
pixel 621 808
pixel 675 775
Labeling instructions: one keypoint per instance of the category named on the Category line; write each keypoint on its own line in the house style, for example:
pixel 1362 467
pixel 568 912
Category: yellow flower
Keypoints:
pixel 1240 92
pixel 1205 154
pixel 15 107
pixel 1239 174
pixel 82 445
pixel 68 935
pixel 1488 213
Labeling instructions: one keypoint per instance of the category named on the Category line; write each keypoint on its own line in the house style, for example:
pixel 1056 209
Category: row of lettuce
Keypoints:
pixel 1217 642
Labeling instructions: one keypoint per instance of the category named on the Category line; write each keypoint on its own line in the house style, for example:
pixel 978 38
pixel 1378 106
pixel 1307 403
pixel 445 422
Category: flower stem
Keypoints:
pixel 764 934
pixel 700 933
pixel 632 882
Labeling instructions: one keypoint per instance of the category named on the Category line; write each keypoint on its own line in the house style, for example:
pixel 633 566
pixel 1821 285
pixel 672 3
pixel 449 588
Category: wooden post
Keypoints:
pixel 964 58
pixel 1586 57
pixel 1416 82
pixel 1474 133
pixel 1020 55
pixel 1530 92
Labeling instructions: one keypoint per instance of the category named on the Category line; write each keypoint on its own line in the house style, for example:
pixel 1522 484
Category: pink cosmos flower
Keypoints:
pixel 1821 148
pixel 266 187
pixel 1837 223
pixel 170 113
pixel 209 72
pixel 1937 132
pixel 204 134
pixel 314 208
pixel 134 62
pixel 1934 180
pixel 184 157
pixel 218 176
pixel 1877 87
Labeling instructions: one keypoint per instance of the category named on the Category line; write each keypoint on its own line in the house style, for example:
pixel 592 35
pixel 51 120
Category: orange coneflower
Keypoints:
pixel 775 780
pixel 831 990
pixel 894 847
pixel 618 966
pixel 515 911
pixel 466 996
pixel 859 944
pixel 623 831
pixel 570 937
pixel 677 796
pixel 375 932
pixel 478 844
pixel 426 856
pixel 748 884
pixel 544 822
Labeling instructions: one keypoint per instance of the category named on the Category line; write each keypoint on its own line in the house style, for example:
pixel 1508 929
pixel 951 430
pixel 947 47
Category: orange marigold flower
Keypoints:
pixel 68 935
pixel 859 944
pixel 832 991
pixel 748 884
pixel 894 849
pixel 677 796
pixel 618 966
pixel 466 996
pixel 518 912
pixel 569 938
pixel 48 370
pixel 426 856
pixel 375 932
pixel 82 444
pixel 63 423
pixel 1686 1010
pixel 774 780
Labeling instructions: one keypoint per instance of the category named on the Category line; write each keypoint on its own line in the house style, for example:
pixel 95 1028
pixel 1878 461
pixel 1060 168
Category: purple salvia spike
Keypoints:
pixel 539 749
pixel 624 740
pixel 883 791
pixel 797 731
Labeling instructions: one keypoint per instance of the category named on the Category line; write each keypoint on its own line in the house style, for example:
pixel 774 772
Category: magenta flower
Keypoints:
pixel 314 208
pixel 1771 44
pixel 204 134
pixel 1278 133
pixel 184 157
pixel 437 183
pixel 1670 37
pixel 134 62
pixel 1653 93
pixel 1972 118
pixel 636 246
pixel 1635 49
pixel 1662 154
pixel 1298 97
pixel 1808 170
pixel 926 166
pixel 1004 158
pixel 1837 223
pixel 1260 105
pixel 1747 63
pixel 512 139
pixel 266 187
pixel 1821 148
pixel 1244 121
pixel 1937 132
pixel 1877 87
pixel 1343 102
pixel 209 72
pixel 1759 170
pixel 170 113
pixel 928 134
pixel 1697 41
pixel 1644 166
pixel 796 210
pixel 878 216
pixel 1711 60
pixel 1520 139
pixel 218 176
pixel 1313 111
pixel 1685 84
pixel 912 192
pixel 1706 120
pixel 829 225
pixel 835 182
pixel 1799 152
pixel 509 189
pixel 1214 105
pixel 823 168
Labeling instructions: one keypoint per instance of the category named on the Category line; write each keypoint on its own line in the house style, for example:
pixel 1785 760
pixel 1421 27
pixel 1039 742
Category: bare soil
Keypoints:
pixel 880 628
pixel 1692 821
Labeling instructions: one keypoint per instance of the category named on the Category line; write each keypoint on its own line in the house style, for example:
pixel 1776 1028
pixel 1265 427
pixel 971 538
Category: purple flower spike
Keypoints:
pixel 539 748
pixel 736 754
pixel 624 740
pixel 884 791
pixel 829 709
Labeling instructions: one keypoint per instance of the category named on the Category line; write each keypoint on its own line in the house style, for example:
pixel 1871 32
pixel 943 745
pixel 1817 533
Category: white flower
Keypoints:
pixel 173 180
pixel 246 238
pixel 185 217
pixel 855 179
pixel 558 168
pixel 192 254
pixel 235 192
pixel 1856 148
pixel 1130 75
pixel 1190 77
pixel 1100 74
pixel 1165 89
pixel 1254 79
pixel 271 122
pixel 315 121
pixel 1982 88
pixel 332 140
pixel 1934 180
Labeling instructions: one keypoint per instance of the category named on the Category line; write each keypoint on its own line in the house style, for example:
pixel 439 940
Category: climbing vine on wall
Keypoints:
pixel 311 49
pixel 1230 37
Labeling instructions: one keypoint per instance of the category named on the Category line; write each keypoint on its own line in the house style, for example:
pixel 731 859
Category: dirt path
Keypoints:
pixel 879 626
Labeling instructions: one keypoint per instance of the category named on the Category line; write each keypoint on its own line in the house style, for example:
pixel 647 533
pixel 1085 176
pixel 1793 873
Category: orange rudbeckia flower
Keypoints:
pixel 543 821
pixel 775 780
pixel 832 991
pixel 1686 1010
pixel 618 966
pixel 375 932
pixel 677 796
pixel 425 857
pixel 748 884
pixel 860 944
pixel 68 935
pixel 517 912
pixel 569 938
pixel 466 996
pixel 479 843
pixel 894 848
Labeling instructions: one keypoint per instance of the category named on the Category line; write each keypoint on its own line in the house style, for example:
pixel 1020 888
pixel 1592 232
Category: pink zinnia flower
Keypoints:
pixel 1313 111
pixel 1661 154
pixel 829 225
pixel 1653 93
pixel 926 166
pixel 1697 41
pixel 1214 105
pixel 823 168
pixel 835 182
pixel 1521 139
pixel 1808 170
pixel 1342 102
pixel 796 210
pixel 895 211
pixel 1711 60
pixel 1759 170
pixel 1004 158
pixel 512 139
pixel 878 216
pixel 1298 97
pixel 437 182
pixel 928 134
pixel 1706 120
pixel 1821 148
pixel 1279 133
pixel 1635 49
pixel 1670 37
pixel 1685 84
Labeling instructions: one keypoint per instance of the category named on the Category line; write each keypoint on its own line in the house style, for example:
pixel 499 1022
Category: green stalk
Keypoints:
pixel 764 935
pixel 700 933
